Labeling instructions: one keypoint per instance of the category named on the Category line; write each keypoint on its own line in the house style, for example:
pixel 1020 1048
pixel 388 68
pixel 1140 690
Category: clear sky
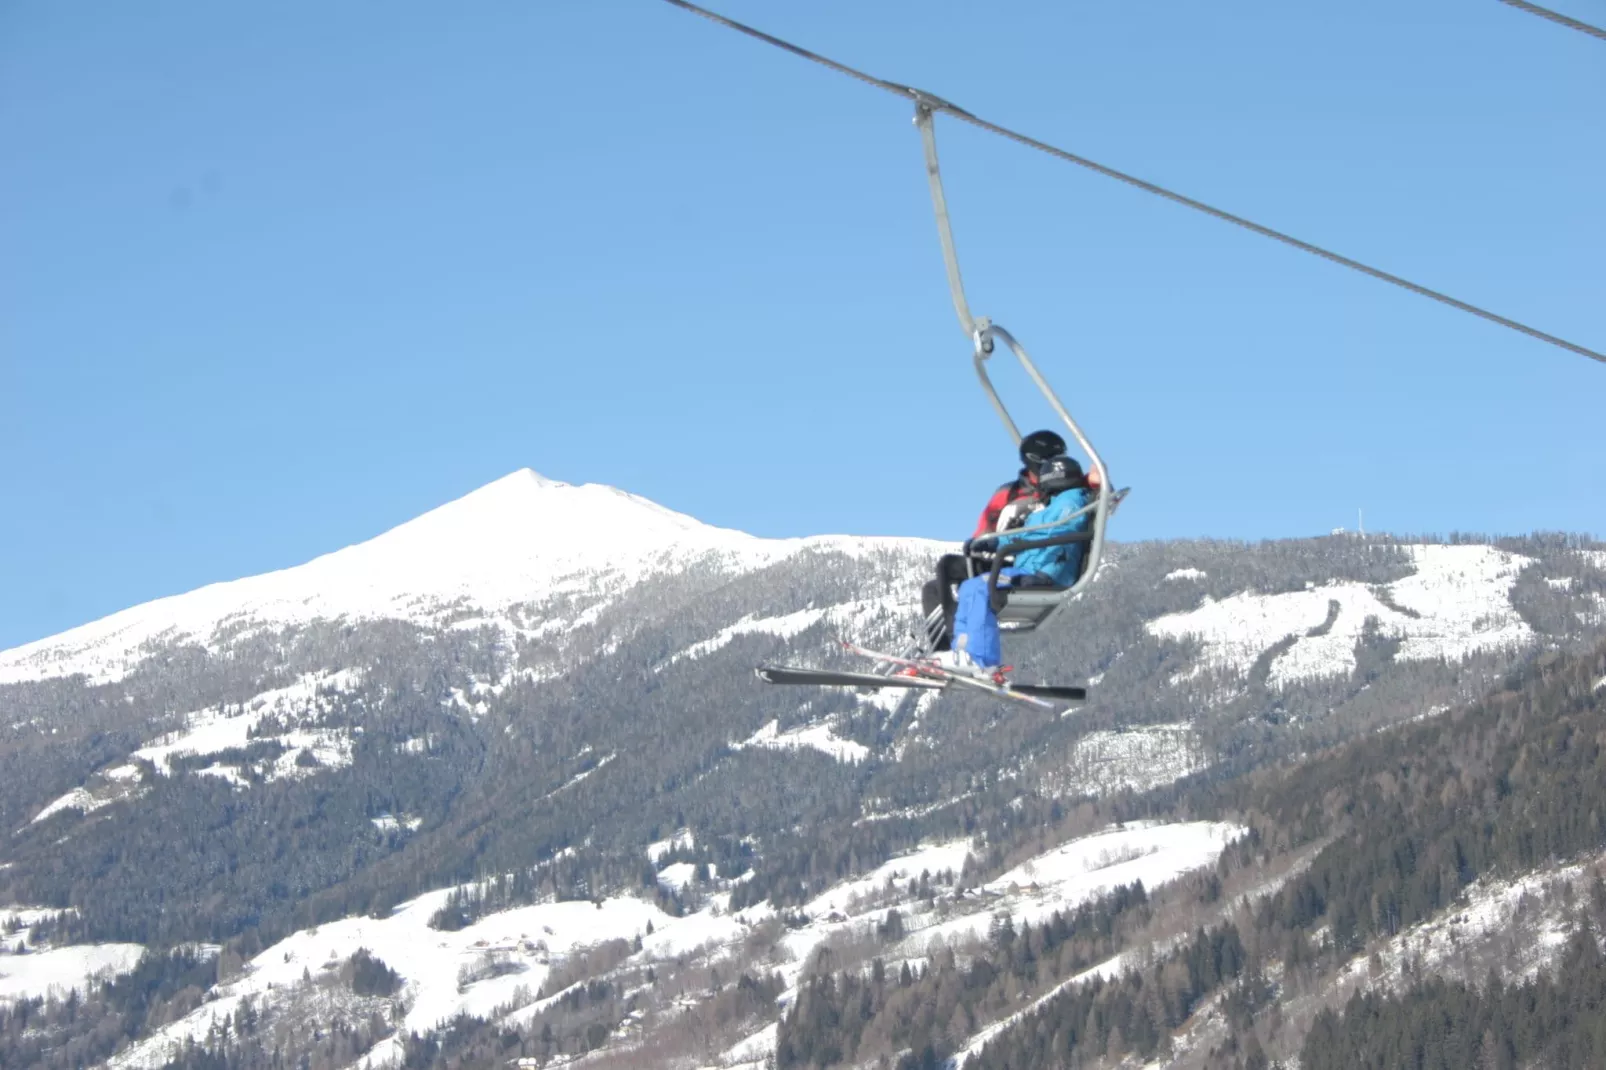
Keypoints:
pixel 276 277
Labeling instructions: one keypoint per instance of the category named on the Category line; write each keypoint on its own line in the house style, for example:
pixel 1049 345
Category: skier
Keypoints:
pixel 1062 488
pixel 1011 502
pixel 1006 509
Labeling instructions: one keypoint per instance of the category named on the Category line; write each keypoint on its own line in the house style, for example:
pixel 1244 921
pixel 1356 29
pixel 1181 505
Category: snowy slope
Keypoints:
pixel 1526 916
pixel 1457 603
pixel 217 729
pixel 59 970
pixel 31 967
pixel 519 540
pixel 529 942
pixel 433 963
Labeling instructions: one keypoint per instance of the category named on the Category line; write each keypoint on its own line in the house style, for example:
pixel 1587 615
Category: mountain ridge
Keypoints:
pixel 514 540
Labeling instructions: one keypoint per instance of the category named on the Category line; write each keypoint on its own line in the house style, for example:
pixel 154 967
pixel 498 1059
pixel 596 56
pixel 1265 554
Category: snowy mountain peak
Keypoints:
pixel 525 476
pixel 534 520
pixel 518 540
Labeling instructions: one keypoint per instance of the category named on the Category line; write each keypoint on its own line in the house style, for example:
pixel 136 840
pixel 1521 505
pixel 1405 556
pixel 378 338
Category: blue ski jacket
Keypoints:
pixel 1059 563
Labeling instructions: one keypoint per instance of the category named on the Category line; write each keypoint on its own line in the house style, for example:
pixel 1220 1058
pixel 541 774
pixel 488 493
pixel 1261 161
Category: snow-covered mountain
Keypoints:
pixel 515 749
pixel 523 540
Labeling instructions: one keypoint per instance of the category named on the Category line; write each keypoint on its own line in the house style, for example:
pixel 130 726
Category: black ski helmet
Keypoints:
pixel 1038 447
pixel 1056 474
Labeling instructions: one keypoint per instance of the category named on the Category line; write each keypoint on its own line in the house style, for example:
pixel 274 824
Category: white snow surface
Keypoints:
pixel 782 627
pixel 860 619
pixel 1186 574
pixel 1058 880
pixel 429 961
pixel 228 727
pixel 60 970
pixel 533 938
pixel 1085 868
pixel 519 540
pixel 931 858
pixel 1490 910
pixel 1151 852
pixel 981 1039
pixel 1165 851
pixel 677 875
pixel 217 729
pixel 1461 595
pixel 681 840
pixel 77 799
pixel 392 823
pixel 711 927
pixel 755 1049
pixel 230 773
pixel 18 921
pixel 814 737
pixel 27 917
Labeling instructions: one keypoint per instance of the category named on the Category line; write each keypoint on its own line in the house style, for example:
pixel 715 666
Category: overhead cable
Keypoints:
pixel 937 104
pixel 1557 17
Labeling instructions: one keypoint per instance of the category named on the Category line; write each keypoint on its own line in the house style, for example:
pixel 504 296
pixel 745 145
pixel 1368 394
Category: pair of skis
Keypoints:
pixel 924 674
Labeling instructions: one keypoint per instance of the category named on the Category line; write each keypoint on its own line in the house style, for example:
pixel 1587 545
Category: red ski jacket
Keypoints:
pixel 1005 494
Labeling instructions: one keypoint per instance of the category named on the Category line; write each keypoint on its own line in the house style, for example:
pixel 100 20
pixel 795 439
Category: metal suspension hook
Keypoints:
pixel 979 331
pixel 983 338
pixel 945 230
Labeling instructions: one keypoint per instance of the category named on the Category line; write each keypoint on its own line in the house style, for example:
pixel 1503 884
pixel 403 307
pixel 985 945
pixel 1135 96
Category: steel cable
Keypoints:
pixel 937 104
pixel 1557 17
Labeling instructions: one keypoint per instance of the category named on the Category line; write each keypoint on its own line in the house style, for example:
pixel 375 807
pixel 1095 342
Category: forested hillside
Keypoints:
pixel 1408 823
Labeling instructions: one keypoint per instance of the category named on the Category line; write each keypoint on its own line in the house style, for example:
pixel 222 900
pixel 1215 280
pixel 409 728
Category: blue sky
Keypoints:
pixel 274 278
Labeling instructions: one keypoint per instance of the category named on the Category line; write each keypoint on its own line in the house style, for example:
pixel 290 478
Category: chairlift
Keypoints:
pixel 1020 609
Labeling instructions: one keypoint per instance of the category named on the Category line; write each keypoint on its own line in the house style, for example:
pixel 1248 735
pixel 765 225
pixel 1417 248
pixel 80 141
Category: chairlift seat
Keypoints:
pixel 1023 608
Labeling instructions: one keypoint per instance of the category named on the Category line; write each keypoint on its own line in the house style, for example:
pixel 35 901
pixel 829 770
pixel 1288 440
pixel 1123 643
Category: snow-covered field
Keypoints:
pixel 1457 603
pixel 214 730
pixel 934 859
pixel 223 728
pixel 1083 869
pixel 527 942
pixel 862 620
pixel 15 923
pixel 677 875
pixel 682 840
pixel 58 970
pixel 1518 926
pixel 812 737
pixel 79 799
pixel 392 823
pixel 1058 880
